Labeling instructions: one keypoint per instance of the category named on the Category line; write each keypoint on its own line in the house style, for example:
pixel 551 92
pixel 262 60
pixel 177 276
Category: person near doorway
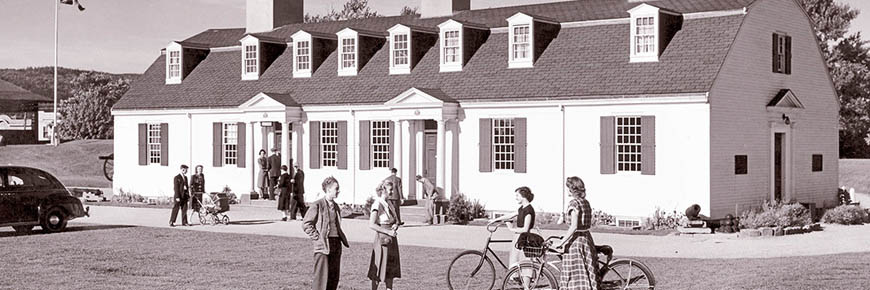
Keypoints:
pixel 182 195
pixel 580 263
pixel 396 197
pixel 430 195
pixel 274 172
pixel 263 178
pixel 285 192
pixel 298 202
pixel 323 225
pixel 384 266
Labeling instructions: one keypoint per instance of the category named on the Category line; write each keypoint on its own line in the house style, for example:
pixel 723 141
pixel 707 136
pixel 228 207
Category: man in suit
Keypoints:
pixel 323 225
pixel 396 197
pixel 274 171
pixel 182 195
pixel 298 202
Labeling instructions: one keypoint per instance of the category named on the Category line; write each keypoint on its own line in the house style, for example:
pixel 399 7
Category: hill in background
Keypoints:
pixel 40 80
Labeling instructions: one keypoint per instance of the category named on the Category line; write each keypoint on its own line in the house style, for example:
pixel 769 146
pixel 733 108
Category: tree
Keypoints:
pixel 409 11
pixel 88 113
pixel 849 62
pixel 353 9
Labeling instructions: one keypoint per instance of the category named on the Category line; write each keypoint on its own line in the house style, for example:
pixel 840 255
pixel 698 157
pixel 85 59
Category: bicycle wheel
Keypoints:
pixel 543 280
pixel 627 274
pixel 459 273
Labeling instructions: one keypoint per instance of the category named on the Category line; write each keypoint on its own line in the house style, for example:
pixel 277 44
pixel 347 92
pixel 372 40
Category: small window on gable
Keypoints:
pixel 781 53
pixel 741 165
pixel 817 163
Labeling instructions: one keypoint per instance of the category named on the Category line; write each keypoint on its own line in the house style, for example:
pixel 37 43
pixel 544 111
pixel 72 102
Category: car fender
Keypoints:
pixel 71 205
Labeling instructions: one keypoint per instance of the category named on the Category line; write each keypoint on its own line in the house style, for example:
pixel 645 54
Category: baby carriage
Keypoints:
pixel 211 212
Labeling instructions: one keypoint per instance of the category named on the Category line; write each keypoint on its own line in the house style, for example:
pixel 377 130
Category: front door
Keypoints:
pixel 429 158
pixel 778 162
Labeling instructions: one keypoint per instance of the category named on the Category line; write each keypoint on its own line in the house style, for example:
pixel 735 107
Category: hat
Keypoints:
pixel 275 149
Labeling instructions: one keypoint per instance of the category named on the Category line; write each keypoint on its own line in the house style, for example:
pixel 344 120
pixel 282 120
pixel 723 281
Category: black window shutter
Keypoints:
pixel 143 144
pixel 393 148
pixel 648 145
pixel 342 145
pixel 314 142
pixel 608 145
pixel 365 145
pixel 775 56
pixel 485 143
pixel 788 55
pixel 241 147
pixel 217 144
pixel 164 144
pixel 520 134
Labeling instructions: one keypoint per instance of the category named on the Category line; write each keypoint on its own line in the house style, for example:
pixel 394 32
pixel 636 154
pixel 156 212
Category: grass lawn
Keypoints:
pixel 75 163
pixel 106 257
pixel 855 173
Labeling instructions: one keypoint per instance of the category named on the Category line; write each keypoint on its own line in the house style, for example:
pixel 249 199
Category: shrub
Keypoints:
pixel 548 218
pixel 663 220
pixel 477 210
pixel 127 197
pixel 367 208
pixel 459 211
pixel 846 215
pixel 776 214
pixel 601 218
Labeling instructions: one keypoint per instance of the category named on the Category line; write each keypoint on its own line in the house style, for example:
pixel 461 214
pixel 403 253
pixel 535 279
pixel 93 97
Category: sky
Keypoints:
pixel 125 36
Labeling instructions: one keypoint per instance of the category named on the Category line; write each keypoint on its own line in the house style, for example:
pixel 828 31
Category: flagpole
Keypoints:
pixel 54 125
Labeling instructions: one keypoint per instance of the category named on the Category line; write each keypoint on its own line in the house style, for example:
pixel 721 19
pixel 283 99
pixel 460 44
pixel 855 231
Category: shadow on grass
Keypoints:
pixel 252 222
pixel 81 228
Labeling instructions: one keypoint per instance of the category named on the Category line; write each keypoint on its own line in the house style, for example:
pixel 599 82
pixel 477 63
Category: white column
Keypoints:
pixel 397 151
pixel 449 152
pixel 285 146
pixel 418 152
pixel 297 150
pixel 439 154
pixel 250 162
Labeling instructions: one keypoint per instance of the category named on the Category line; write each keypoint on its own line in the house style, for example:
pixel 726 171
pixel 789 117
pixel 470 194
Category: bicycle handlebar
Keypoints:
pixel 492 227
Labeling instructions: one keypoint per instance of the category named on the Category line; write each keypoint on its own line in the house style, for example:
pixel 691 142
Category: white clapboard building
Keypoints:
pixel 654 104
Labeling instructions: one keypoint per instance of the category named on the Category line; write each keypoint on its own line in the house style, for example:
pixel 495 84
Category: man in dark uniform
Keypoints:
pixel 274 172
pixel 396 197
pixel 298 203
pixel 182 195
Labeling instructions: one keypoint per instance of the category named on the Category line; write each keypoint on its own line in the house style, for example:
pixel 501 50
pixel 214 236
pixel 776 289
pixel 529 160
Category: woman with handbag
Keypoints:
pixel 285 192
pixel 385 265
pixel 525 223
pixel 580 262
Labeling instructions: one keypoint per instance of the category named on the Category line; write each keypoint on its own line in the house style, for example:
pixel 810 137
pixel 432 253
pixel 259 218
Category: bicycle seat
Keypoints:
pixel 604 250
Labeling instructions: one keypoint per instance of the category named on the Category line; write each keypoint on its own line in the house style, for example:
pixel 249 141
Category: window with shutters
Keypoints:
pixel 781 52
pixel 503 149
pixel 628 144
pixel 329 144
pixel 380 144
pixel 303 56
pixel 154 144
pixel 231 142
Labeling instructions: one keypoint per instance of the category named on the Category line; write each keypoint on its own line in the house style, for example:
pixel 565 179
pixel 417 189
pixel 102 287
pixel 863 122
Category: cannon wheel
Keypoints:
pixel 108 166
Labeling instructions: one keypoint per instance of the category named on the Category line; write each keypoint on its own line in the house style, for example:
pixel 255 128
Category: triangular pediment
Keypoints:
pixel 417 96
pixel 785 98
pixel 268 100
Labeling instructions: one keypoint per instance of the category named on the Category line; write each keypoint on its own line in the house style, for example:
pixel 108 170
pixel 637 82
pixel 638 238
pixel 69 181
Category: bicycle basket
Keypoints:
pixel 531 244
pixel 533 251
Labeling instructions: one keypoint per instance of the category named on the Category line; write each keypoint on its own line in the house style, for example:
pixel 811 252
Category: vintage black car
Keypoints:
pixel 31 197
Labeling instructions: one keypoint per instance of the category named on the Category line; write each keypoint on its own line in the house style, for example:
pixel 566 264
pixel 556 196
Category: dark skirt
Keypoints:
pixel 385 262
pixel 285 198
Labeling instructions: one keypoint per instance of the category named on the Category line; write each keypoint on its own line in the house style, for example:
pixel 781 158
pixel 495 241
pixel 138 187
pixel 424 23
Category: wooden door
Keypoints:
pixel 429 156
pixel 778 162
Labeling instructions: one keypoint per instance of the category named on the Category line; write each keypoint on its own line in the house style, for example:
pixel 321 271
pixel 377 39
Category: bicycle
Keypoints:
pixel 473 269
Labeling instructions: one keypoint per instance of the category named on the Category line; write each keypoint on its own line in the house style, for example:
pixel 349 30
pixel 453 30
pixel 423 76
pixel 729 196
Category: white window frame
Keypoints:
pixel 298 38
pixel 380 144
pixel 174 64
pixel 348 34
pixel 629 147
pixel 230 135
pixel 644 11
pixel 394 32
pixel 329 144
pixel 153 140
pixel 503 144
pixel 518 21
pixel 450 26
pixel 249 42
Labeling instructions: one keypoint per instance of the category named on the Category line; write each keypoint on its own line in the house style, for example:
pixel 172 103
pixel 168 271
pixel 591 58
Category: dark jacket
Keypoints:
pixel 182 190
pixel 316 225
pixel 299 186
pixel 284 183
pixel 397 188
pixel 274 165
pixel 197 183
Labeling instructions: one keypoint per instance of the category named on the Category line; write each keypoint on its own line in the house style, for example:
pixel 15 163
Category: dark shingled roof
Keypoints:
pixel 11 92
pixel 580 62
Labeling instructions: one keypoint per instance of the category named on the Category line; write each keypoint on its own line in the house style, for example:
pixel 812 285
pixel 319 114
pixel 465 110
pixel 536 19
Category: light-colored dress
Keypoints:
pixel 385 262
pixel 580 263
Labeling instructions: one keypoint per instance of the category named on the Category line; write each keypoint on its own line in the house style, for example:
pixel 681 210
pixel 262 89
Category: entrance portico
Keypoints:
pixel 277 119
pixel 410 110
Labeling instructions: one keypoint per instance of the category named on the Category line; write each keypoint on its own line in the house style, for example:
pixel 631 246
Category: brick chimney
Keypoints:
pixel 265 15
pixel 438 8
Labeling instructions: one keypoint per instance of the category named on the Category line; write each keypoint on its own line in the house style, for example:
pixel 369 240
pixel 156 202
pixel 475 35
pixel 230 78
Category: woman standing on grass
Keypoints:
pixel 580 263
pixel 525 223
pixel 385 265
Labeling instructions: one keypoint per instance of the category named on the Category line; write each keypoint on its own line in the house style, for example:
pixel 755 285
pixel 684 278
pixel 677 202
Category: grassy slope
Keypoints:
pixel 75 163
pixel 855 173
pixel 106 257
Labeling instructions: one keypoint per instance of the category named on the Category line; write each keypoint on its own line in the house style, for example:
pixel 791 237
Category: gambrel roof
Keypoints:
pixel 582 61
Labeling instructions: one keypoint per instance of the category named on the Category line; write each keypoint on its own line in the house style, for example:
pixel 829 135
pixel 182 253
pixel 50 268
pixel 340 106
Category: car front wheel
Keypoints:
pixel 54 220
pixel 23 229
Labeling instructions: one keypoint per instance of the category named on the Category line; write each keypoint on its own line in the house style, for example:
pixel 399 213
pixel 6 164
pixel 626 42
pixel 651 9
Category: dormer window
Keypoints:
pixel 529 36
pixel 303 58
pixel 348 54
pixel 309 51
pixel 400 47
pixel 408 45
pixel 173 67
pixel 652 29
pixel 520 46
pixel 356 48
pixel 250 60
pixel 452 47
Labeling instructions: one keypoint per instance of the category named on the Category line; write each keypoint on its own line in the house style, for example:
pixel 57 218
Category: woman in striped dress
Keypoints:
pixel 580 262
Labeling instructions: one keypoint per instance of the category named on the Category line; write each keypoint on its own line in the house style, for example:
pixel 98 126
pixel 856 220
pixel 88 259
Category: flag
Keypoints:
pixel 72 2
